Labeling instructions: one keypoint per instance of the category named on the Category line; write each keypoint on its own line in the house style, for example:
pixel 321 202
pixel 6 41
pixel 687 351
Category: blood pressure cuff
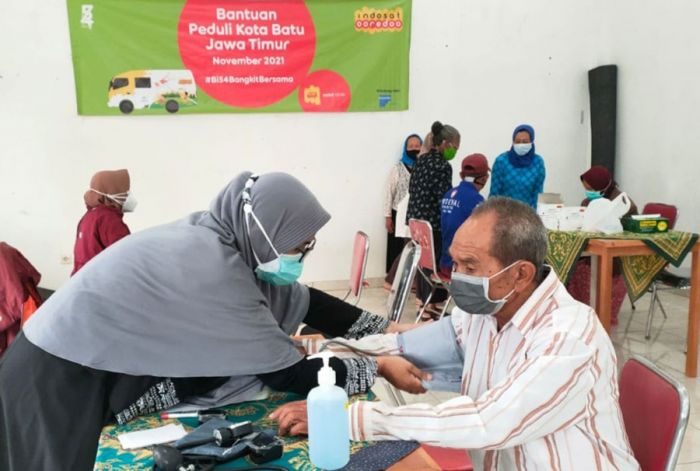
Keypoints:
pixel 211 450
pixel 433 348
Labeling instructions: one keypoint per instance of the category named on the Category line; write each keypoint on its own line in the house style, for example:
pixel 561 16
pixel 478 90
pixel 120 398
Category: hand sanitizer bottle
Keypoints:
pixel 329 438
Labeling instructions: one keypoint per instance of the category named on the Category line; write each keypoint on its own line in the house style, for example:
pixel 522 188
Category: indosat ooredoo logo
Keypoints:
pixel 374 20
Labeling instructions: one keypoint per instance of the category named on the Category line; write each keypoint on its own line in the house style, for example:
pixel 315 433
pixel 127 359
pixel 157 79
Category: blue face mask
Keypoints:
pixel 284 270
pixel 593 195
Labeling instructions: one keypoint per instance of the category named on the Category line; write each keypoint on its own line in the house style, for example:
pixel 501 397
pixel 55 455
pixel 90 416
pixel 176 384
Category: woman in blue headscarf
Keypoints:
pixel 396 191
pixel 519 172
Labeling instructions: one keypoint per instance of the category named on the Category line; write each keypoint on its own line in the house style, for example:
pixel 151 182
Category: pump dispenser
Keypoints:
pixel 329 438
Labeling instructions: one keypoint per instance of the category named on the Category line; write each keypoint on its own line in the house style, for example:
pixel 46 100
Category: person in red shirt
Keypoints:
pixel 108 198
pixel 19 298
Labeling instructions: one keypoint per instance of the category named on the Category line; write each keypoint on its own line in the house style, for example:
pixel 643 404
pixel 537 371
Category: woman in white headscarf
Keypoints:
pixel 201 306
pixel 396 191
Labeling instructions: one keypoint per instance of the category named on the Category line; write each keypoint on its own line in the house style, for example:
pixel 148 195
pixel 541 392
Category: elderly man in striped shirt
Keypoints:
pixel 536 371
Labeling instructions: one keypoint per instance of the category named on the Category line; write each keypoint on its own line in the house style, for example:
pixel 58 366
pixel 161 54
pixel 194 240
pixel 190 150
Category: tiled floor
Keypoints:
pixel 665 348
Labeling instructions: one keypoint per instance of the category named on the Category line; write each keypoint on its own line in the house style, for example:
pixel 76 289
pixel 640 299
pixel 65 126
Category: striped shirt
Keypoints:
pixel 541 393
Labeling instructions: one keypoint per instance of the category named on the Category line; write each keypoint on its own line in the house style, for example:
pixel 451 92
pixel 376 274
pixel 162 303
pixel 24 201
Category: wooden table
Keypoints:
pixel 607 249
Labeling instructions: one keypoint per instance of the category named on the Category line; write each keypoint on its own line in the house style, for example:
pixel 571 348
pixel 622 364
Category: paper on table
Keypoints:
pixel 154 436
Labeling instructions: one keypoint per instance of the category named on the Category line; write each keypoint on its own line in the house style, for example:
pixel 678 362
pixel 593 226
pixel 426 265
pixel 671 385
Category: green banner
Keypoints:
pixel 152 57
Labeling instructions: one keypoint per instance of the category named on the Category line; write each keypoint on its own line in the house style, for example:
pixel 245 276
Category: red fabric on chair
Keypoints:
pixel 422 234
pixel 30 305
pixel 651 408
pixel 667 211
pixel 445 274
pixel 359 261
pixel 449 459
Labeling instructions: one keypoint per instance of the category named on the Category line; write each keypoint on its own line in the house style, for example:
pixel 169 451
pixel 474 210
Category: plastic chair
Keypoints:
pixel 400 291
pixel 360 250
pixel 667 211
pixel 669 277
pixel 422 235
pixel 401 288
pixel 655 409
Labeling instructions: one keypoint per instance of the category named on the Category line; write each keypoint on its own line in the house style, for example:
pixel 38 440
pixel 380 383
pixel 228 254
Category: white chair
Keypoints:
pixel 405 274
pixel 360 251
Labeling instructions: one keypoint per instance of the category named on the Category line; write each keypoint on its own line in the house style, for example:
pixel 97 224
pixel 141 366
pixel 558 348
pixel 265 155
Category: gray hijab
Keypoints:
pixel 182 299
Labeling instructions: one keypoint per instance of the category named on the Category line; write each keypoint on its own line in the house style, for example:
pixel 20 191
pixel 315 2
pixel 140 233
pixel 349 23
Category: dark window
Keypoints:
pixel 120 82
pixel 143 82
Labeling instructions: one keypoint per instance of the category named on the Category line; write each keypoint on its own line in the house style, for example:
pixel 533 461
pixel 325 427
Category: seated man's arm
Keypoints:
pixel 548 392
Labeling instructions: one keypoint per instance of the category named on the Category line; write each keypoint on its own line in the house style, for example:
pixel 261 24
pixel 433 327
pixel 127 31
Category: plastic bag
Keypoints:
pixel 401 228
pixel 603 215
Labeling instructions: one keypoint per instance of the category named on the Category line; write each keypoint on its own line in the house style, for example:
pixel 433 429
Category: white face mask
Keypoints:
pixel 126 200
pixel 129 203
pixel 522 149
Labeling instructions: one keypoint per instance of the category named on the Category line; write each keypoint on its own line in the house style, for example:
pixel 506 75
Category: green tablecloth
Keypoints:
pixel 565 248
pixel 110 455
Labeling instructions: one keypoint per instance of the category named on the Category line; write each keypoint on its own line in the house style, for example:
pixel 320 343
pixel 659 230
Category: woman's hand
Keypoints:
pixel 292 418
pixel 402 374
pixel 389 225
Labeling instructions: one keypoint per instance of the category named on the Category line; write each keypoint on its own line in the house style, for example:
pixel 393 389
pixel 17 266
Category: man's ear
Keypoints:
pixel 525 274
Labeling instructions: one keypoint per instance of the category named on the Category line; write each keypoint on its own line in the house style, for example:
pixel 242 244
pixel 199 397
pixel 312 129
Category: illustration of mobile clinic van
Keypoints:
pixel 138 89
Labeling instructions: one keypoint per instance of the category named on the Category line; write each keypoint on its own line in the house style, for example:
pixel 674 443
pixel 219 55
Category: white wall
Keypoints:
pixel 656 46
pixel 483 66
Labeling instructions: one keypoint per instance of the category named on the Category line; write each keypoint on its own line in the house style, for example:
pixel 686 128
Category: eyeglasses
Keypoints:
pixel 306 249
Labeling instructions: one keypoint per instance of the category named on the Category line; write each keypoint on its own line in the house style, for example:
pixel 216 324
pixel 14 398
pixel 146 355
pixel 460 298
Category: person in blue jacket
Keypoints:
pixel 459 202
pixel 519 172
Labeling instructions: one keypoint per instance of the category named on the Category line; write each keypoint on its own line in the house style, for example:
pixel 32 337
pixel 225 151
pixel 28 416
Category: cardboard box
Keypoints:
pixel 645 226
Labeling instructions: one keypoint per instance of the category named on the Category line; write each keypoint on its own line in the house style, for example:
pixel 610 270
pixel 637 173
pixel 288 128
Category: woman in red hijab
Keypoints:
pixel 598 183
pixel 102 225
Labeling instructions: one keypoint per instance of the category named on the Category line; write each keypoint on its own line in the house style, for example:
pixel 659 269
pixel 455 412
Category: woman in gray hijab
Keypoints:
pixel 199 307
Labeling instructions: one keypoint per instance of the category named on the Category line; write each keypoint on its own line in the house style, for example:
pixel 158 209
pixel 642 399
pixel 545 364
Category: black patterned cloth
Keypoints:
pixel 380 455
pixel 361 374
pixel 430 180
pixel 367 324
pixel 160 396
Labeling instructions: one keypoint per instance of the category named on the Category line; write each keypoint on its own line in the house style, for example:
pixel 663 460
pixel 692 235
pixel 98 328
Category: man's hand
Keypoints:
pixel 389 225
pixel 291 418
pixel 402 374
pixel 396 328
